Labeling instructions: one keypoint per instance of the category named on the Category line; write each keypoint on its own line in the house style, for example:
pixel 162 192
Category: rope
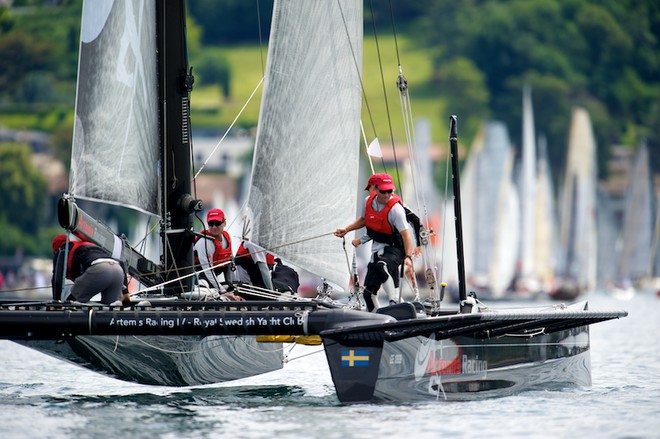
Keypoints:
pixel 294 345
pixel 222 264
pixel 444 215
pixel 357 70
pixel 387 107
pixel 229 129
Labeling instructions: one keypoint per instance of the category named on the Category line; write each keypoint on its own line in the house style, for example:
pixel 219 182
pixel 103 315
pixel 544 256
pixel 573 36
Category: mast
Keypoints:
pixel 175 85
pixel 458 219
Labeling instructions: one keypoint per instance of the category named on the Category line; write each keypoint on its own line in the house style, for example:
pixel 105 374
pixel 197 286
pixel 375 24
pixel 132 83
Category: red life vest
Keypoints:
pixel 244 260
pixel 243 253
pixel 377 220
pixel 58 243
pixel 220 254
pixel 75 245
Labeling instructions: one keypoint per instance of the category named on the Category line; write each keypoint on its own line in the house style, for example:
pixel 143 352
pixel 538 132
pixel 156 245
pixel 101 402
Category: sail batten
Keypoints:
pixel 116 130
pixel 305 166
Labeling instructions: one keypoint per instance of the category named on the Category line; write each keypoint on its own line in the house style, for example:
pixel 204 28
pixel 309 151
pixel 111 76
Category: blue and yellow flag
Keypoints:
pixel 354 358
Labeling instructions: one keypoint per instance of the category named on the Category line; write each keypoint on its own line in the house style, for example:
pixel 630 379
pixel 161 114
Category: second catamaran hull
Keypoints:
pixel 463 356
pixel 167 360
pixel 464 368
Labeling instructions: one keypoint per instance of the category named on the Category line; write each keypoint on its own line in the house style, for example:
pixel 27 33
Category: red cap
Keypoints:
pixel 385 183
pixel 58 241
pixel 215 215
pixel 374 179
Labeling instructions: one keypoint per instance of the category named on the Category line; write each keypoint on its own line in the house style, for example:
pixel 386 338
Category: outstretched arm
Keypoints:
pixel 357 224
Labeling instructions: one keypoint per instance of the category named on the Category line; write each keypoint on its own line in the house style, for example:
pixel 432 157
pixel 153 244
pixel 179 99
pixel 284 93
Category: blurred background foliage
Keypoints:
pixel 468 57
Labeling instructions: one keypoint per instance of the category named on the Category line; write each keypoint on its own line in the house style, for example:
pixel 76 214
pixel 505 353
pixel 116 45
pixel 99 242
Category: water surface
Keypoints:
pixel 41 397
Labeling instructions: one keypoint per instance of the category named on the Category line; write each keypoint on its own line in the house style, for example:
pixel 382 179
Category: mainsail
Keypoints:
pixel 116 138
pixel 305 166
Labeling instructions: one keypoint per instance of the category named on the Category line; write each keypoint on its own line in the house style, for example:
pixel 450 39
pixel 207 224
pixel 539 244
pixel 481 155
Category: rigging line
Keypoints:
pixel 230 127
pixel 357 70
pixel 408 124
pixel 443 238
pixel 404 98
pixel 222 264
pixel 429 259
pixel 288 360
pixel 143 241
pixel 18 290
pixel 286 244
pixel 387 107
pixel 396 44
pixel 348 263
pixel 175 268
pixel 409 127
pixel 261 42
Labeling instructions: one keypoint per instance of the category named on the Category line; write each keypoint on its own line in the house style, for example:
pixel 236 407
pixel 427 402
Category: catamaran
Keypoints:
pixel 134 90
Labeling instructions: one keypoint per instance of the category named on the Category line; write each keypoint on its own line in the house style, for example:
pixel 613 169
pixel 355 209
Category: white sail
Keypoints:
pixel 545 230
pixel 654 262
pixel 116 137
pixel 528 189
pixel 469 195
pixel 305 166
pixel 578 206
pixel 637 233
pixel 491 211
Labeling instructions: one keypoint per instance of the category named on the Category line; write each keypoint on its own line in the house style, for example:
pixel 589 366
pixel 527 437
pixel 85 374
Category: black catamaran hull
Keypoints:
pixel 166 360
pixel 466 368
pixel 177 343
pixel 464 357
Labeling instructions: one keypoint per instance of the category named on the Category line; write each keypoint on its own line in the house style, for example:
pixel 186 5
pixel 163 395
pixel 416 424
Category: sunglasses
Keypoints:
pixel 216 223
pixel 385 192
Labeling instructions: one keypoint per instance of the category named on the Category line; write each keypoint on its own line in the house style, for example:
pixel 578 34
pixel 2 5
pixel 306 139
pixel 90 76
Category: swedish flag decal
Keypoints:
pixel 354 358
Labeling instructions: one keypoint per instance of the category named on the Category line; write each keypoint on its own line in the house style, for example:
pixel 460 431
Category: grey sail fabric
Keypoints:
pixel 637 233
pixel 491 211
pixel 578 198
pixel 305 167
pixel 116 136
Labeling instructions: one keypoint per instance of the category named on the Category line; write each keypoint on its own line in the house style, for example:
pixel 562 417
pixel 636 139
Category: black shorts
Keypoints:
pixel 393 257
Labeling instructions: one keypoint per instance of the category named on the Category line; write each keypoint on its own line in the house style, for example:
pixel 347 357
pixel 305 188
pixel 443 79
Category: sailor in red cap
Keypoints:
pixel 213 250
pixel 411 216
pixel 385 219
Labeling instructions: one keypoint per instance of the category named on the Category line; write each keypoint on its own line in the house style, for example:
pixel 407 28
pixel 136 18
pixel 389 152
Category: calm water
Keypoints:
pixel 44 398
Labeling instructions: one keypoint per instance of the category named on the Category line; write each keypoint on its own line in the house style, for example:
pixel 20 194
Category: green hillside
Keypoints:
pixel 210 109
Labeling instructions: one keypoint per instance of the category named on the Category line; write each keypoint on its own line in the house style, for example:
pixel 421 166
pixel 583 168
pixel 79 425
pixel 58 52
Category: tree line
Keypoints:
pixel 603 55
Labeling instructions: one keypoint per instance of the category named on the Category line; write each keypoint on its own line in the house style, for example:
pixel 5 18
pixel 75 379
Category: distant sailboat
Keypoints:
pixel 637 227
pixel 545 230
pixel 526 281
pixel 653 282
pixel 577 269
pixel 538 213
pixel 492 213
